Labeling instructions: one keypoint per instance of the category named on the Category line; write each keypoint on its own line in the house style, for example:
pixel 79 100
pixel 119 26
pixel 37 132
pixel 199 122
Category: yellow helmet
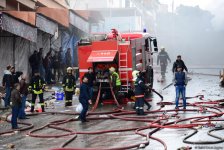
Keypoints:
pixel 69 69
pixel 112 69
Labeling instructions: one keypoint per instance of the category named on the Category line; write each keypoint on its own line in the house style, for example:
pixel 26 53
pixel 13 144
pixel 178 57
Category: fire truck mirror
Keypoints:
pixel 156 49
pixel 155 44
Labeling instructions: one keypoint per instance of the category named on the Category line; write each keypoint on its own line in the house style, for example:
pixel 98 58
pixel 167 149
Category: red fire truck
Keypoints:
pixel 126 52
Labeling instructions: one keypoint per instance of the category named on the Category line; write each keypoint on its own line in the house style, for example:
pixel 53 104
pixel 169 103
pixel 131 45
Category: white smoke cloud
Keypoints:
pixel 214 6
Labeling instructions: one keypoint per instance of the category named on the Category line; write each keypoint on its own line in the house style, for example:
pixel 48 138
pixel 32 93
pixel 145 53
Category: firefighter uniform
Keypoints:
pixel 116 82
pixel 163 58
pixel 36 87
pixel 140 89
pixel 69 86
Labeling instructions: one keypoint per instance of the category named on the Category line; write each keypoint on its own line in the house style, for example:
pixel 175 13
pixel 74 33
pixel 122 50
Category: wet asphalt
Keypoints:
pixel 199 85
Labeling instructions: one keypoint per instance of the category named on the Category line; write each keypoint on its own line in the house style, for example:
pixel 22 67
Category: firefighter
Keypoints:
pixel 162 59
pixel 116 82
pixel 37 85
pixel 140 89
pixel 69 86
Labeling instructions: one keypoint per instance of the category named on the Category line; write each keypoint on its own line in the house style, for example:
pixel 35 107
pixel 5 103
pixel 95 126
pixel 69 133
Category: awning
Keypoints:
pixel 102 56
pixel 14 26
pixel 79 22
pixel 46 25
pixel 60 16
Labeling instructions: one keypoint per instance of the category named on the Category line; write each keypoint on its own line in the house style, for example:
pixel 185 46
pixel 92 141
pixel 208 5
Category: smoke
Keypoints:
pixel 194 33
pixel 215 7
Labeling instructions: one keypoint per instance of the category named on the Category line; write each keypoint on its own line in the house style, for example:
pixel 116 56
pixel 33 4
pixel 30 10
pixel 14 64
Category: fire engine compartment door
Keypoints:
pixel 102 56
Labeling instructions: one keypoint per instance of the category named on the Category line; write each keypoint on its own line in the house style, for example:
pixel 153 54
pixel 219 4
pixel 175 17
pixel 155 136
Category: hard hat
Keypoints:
pixel 69 69
pixel 135 74
pixel 162 48
pixel 112 69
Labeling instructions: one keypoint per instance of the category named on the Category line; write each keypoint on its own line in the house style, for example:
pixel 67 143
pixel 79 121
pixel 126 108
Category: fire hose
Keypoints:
pixel 156 119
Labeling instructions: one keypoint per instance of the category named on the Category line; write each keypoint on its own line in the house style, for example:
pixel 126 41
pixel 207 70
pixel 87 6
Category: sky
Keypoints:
pixel 214 6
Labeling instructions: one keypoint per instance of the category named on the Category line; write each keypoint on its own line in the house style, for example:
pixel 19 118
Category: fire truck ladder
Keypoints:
pixel 123 69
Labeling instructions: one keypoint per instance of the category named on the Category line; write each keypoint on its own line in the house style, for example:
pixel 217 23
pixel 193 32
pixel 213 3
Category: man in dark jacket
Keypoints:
pixel 24 92
pixel 179 62
pixel 47 66
pixel 140 89
pixel 7 83
pixel 34 61
pixel 41 62
pixel 91 79
pixel 15 75
pixel 180 82
pixel 61 62
pixel 37 86
pixel 69 86
pixel 56 66
pixel 163 58
pixel 84 98
pixel 16 104
pixel 68 58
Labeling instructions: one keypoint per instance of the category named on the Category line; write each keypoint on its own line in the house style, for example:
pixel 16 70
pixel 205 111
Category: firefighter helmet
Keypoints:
pixel 162 48
pixel 112 69
pixel 69 69
pixel 135 74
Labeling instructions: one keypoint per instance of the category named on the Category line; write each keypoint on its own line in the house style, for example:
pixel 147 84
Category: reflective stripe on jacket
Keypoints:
pixel 118 81
pixel 139 88
pixel 37 84
pixel 68 83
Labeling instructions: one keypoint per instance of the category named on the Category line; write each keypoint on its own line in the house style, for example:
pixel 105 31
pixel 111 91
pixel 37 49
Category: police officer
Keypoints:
pixel 116 82
pixel 69 86
pixel 36 87
pixel 140 89
pixel 162 59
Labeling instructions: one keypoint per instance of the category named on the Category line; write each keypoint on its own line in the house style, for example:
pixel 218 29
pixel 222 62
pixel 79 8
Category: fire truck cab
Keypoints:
pixel 126 52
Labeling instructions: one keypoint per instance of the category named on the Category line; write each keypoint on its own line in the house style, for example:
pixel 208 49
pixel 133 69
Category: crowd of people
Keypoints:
pixel 45 70
pixel 51 67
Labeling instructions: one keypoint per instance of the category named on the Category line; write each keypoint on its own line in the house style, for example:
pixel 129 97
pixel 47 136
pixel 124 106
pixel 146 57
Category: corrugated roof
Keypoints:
pixel 28 17
pixel 61 16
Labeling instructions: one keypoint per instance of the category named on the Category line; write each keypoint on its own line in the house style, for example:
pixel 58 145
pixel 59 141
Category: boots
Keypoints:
pixel 32 109
pixel 137 111
pixel 42 107
pixel 141 112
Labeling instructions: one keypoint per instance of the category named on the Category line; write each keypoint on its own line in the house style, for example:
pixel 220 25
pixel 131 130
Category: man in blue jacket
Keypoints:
pixel 84 98
pixel 180 82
